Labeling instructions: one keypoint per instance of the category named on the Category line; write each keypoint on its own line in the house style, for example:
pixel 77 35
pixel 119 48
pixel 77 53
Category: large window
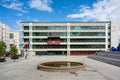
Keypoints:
pixel 39 27
pixel 39 34
pixel 26 39
pixel 39 40
pixel 49 46
pixel 26 33
pixel 87 28
pixel 49 27
pixel 26 27
pixel 49 33
pixel 87 33
pixel 88 40
pixel 87 46
pixel 57 28
pixel 57 34
pixel 63 40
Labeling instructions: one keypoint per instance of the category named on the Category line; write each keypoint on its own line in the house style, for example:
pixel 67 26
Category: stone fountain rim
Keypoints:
pixel 40 66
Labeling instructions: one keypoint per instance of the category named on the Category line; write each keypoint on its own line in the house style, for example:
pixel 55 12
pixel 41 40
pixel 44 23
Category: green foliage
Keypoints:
pixel 13 50
pixel 2 48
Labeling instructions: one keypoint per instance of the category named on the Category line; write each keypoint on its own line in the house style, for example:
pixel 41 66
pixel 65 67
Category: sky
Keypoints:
pixel 14 11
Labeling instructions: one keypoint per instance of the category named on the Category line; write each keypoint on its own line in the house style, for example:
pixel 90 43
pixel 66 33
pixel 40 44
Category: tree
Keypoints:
pixel 13 50
pixel 2 48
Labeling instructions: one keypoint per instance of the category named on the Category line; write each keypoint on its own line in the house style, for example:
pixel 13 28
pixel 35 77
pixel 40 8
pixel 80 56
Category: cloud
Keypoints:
pixel 42 5
pixel 18 23
pixel 101 10
pixel 19 14
pixel 12 4
pixel 35 20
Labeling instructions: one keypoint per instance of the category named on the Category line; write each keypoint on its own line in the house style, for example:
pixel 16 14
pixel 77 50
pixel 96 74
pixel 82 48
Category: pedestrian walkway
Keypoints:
pixel 107 57
pixel 25 69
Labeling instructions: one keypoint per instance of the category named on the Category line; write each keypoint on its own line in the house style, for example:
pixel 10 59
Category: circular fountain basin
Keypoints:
pixel 61 66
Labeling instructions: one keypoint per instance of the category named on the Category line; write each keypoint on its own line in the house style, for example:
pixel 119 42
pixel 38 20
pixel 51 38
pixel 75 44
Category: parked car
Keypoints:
pixel 7 54
pixel 14 56
pixel 2 59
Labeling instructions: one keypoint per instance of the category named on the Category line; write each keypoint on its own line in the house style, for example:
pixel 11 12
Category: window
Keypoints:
pixel 26 33
pixel 87 28
pixel 26 27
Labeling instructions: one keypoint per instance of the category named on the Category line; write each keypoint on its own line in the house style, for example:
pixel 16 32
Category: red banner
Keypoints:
pixel 53 42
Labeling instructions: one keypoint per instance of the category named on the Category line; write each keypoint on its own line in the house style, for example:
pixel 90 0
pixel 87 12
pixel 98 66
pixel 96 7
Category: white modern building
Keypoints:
pixel 114 34
pixel 14 38
pixel 68 38
pixel 4 35
pixel 0 31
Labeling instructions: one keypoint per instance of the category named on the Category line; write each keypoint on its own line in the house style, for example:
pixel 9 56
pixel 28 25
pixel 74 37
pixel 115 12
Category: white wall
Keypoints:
pixel 114 34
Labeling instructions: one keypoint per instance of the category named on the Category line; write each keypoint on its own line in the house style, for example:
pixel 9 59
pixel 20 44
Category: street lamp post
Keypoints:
pixel 4 54
pixel 26 46
pixel 14 54
pixel 26 53
pixel 14 51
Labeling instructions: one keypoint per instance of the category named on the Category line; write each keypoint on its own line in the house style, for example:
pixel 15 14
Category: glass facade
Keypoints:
pixel 26 27
pixel 63 40
pixel 49 34
pixel 49 46
pixel 87 28
pixel 87 46
pixel 92 34
pixel 26 33
pixel 65 46
pixel 71 40
pixel 39 40
pixel 88 40
pixel 51 52
pixel 26 39
pixel 65 34
pixel 45 40
pixel 87 33
pixel 48 27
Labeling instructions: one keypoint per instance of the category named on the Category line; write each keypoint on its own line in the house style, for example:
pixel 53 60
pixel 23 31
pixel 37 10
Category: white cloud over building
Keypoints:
pixel 101 10
pixel 42 5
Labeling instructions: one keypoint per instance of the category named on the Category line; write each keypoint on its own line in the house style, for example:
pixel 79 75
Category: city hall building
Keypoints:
pixel 66 38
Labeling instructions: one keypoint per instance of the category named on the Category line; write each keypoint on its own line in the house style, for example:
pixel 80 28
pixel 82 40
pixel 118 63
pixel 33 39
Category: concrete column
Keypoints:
pixel 106 35
pixel 30 39
pixel 68 39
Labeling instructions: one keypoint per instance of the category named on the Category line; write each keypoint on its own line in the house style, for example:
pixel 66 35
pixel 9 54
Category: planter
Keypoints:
pixel 2 59
pixel 14 56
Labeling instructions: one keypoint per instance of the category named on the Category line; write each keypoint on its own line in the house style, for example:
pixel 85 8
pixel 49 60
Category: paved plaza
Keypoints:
pixel 25 69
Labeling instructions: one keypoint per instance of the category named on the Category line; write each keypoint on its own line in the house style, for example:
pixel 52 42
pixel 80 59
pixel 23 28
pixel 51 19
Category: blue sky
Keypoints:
pixel 14 11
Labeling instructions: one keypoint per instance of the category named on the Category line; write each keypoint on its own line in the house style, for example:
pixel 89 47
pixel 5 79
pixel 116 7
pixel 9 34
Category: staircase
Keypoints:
pixel 107 57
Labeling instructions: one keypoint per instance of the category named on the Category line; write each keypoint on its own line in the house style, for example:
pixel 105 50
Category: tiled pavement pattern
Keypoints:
pixel 25 69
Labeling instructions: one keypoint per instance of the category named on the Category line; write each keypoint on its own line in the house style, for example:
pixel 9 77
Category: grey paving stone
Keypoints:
pixel 25 69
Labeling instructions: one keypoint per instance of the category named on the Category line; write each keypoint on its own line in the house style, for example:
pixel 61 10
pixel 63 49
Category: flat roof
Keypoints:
pixel 67 22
